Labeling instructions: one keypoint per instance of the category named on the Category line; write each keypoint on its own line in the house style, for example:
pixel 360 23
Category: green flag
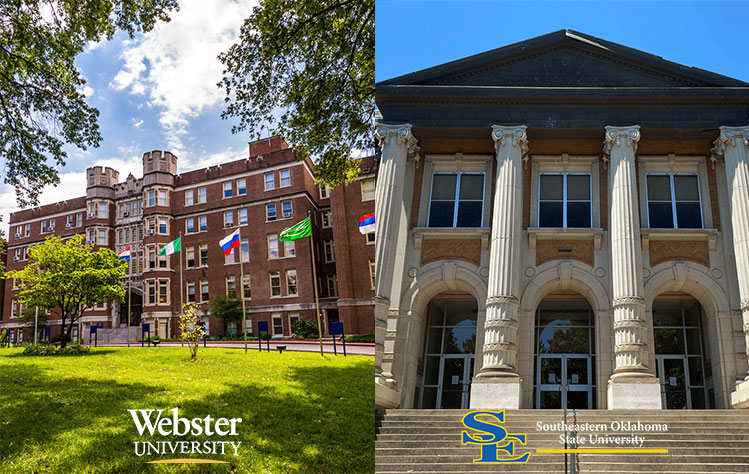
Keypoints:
pixel 299 231
pixel 172 247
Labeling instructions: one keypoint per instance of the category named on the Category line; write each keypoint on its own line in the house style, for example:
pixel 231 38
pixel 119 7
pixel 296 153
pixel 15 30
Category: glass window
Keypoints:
pixel 151 257
pixel 270 212
pixel 293 318
pixel 204 293
pixel 152 292
pixel 190 225
pixel 242 216
pixel 285 178
pixel 227 189
pixel 151 198
pixel 291 286
pixel 327 220
pixel 674 201
pixel 457 200
pixel 163 291
pixel 370 238
pixel 564 200
pixel 273 246
pixel 201 195
pixel 277 324
pixel 189 197
pixel 203 255
pixel 241 187
pixel 247 286
pixel 162 197
pixel 270 181
pixel 289 249
pixel 329 251
pixel 203 223
pixel 324 191
pixel 368 189
pixel 286 211
pixel 44 226
pixel 102 210
pixel 162 225
pixel 245 249
pixel 332 286
pixel 190 255
pixel 372 272
pixel 102 237
pixel 228 218
pixel 275 283
pixel 191 296
pixel 231 286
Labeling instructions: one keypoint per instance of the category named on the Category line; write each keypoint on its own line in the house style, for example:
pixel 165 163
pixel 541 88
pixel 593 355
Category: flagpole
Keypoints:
pixel 130 292
pixel 181 282
pixel 314 280
pixel 241 286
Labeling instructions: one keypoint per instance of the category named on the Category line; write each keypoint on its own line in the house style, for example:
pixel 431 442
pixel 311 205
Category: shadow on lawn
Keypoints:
pixel 94 352
pixel 328 429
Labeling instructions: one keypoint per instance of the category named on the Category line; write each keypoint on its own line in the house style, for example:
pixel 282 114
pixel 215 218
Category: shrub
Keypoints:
pixel 361 338
pixel 46 350
pixel 304 328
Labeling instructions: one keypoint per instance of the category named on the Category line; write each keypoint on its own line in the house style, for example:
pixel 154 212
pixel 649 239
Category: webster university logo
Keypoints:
pixel 492 437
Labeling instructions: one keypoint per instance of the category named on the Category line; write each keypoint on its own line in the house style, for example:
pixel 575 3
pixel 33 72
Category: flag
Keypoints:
pixel 172 247
pixel 229 242
pixel 299 231
pixel 367 223
pixel 124 255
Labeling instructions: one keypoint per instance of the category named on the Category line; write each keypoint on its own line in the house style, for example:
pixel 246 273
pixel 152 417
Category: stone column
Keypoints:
pixel 498 384
pixel 632 385
pixel 733 144
pixel 391 231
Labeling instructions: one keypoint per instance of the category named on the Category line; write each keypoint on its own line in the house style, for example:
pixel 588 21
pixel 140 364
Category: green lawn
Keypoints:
pixel 301 412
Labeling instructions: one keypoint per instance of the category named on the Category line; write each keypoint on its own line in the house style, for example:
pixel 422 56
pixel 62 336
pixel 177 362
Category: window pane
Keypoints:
pixel 667 313
pixel 693 342
pixel 659 188
pixel 566 340
pixel 691 313
pixel 441 214
pixel 472 186
pixel 695 371
pixel 661 215
pixel 550 214
pixel 469 214
pixel 578 214
pixel 578 187
pixel 698 398
pixel 444 186
pixel 551 187
pixel 689 215
pixel 686 188
pixel 669 341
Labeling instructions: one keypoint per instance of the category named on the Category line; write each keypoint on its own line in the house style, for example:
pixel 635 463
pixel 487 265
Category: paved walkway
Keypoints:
pixel 354 348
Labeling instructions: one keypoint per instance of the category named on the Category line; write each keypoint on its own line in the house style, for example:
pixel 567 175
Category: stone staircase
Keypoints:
pixel 698 441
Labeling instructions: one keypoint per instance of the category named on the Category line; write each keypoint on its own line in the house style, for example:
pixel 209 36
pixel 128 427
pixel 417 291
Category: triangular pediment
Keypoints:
pixel 566 59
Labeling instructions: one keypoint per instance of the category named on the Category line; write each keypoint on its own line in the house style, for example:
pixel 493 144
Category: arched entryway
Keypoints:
pixel 450 352
pixel 680 352
pixel 565 347
pixel 136 309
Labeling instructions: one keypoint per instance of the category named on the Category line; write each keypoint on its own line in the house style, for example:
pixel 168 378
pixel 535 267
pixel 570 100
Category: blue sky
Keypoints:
pixel 417 34
pixel 156 92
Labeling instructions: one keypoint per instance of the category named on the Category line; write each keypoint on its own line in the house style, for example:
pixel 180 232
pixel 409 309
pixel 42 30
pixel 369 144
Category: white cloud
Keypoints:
pixel 87 91
pixel 136 123
pixel 175 66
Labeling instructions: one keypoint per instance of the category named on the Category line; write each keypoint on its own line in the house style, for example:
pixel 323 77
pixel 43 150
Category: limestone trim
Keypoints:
pixel 620 136
pixel 549 278
pixel 402 133
pixel 502 299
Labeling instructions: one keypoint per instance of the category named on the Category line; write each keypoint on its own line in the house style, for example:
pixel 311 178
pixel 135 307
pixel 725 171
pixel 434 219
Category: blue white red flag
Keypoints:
pixel 125 254
pixel 367 223
pixel 229 242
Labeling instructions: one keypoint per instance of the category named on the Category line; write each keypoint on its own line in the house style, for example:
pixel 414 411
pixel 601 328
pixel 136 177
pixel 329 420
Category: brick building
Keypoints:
pixel 261 195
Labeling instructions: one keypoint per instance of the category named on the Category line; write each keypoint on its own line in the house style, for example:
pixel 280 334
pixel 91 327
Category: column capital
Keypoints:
pixel 620 136
pixel 730 136
pixel 514 135
pixel 401 134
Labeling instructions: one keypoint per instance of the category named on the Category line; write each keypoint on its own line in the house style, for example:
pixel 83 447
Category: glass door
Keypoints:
pixel 455 381
pixel 553 370
pixel 672 374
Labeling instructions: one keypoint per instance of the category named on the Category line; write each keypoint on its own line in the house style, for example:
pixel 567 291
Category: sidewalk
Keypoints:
pixel 352 348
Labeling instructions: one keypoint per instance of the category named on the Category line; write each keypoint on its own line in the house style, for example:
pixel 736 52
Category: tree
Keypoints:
pixel 42 107
pixel 69 278
pixel 227 308
pixel 305 70
pixel 190 331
